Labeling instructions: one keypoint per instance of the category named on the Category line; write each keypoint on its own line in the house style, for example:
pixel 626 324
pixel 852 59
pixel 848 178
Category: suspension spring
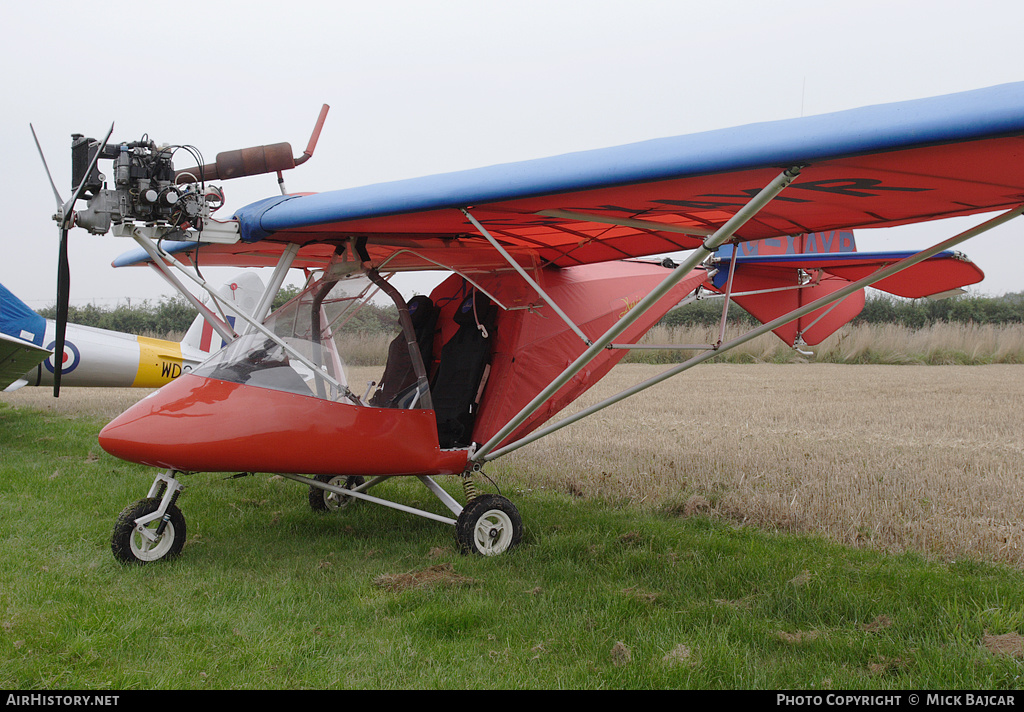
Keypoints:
pixel 469 487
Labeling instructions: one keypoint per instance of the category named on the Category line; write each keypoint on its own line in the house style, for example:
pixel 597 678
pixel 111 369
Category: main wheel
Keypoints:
pixel 320 500
pixel 131 547
pixel 489 525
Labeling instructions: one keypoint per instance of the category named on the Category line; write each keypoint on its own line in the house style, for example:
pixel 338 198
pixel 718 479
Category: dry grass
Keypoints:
pixel 896 457
pixel 98 403
pixel 937 344
pixel 925 458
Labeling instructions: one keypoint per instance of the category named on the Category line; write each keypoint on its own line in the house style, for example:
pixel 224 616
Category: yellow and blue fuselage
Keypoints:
pixel 94 357
pixel 98 357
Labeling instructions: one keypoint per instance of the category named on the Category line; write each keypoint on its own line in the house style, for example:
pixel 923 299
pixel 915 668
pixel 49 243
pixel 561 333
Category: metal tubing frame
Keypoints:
pixel 690 300
pixel 725 304
pixel 383 268
pixel 661 347
pixel 800 335
pixel 165 261
pixel 763 329
pixel 529 280
pixel 411 343
pixel 357 494
pixel 690 230
pixel 748 211
pixel 161 266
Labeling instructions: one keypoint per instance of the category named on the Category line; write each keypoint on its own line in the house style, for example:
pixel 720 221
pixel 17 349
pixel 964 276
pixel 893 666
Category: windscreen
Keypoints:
pixel 309 345
pixel 298 348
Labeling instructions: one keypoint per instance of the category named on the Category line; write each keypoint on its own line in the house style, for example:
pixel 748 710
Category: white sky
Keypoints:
pixel 419 87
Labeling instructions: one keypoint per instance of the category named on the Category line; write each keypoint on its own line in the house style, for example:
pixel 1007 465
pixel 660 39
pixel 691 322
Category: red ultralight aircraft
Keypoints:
pixel 547 292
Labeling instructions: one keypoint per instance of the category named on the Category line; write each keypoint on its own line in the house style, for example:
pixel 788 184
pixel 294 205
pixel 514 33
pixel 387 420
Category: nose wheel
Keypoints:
pixel 153 528
pixel 135 543
pixel 489 524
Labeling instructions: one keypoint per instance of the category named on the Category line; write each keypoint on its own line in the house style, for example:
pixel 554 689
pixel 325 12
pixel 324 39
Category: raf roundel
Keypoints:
pixel 72 357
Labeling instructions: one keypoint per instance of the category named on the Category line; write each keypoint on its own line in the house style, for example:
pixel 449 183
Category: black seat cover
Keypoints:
pixel 460 379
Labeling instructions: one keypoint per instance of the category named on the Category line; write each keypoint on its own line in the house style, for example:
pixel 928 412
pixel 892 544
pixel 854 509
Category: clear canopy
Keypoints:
pixel 303 345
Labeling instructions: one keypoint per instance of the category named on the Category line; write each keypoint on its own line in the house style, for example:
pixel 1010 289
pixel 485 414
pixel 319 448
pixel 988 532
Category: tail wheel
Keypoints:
pixel 489 524
pixel 130 546
pixel 321 500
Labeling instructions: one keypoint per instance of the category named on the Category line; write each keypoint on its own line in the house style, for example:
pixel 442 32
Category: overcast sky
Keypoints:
pixel 418 88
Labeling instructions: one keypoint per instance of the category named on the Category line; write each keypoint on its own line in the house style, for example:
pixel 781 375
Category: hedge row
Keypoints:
pixel 174 315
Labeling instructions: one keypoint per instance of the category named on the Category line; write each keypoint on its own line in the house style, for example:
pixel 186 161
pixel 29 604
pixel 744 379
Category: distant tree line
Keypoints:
pixel 880 308
pixel 173 315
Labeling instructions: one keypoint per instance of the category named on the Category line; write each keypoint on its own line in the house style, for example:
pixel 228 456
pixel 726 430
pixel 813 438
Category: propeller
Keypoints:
pixel 65 218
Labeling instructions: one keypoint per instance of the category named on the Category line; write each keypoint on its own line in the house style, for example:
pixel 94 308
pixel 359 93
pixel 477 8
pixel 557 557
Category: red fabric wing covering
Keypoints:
pixel 533 345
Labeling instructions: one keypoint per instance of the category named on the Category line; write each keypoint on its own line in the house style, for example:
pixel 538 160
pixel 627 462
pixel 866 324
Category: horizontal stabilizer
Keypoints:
pixel 773 277
pixel 940 273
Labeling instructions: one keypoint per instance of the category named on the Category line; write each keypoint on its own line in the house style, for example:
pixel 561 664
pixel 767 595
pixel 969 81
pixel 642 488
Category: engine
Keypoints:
pixel 145 186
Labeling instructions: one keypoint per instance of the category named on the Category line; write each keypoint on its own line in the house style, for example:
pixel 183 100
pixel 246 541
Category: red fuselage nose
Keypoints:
pixel 197 424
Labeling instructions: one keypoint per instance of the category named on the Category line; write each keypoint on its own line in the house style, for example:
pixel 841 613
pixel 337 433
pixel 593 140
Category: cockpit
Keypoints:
pixel 304 346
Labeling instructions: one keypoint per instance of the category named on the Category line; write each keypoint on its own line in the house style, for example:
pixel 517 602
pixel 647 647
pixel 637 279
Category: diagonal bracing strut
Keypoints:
pixel 881 274
pixel 712 243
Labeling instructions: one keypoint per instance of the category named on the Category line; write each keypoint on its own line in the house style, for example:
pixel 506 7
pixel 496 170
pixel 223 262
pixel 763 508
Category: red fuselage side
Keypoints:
pixel 197 424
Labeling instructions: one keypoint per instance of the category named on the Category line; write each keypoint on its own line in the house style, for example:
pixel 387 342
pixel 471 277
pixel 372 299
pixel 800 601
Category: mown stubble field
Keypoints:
pixel 927 458
pixel 924 458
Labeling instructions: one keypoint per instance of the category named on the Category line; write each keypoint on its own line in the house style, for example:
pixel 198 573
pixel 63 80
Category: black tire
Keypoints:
pixel 489 524
pixel 130 547
pixel 323 501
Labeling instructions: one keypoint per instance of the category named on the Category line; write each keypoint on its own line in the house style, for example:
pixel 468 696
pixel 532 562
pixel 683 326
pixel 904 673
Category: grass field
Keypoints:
pixel 760 526
pixel 895 457
pixel 939 344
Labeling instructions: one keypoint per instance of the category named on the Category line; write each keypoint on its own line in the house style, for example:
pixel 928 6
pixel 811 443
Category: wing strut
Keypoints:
pixel 712 243
pixel 284 263
pixel 837 296
pixel 529 280
pixel 160 264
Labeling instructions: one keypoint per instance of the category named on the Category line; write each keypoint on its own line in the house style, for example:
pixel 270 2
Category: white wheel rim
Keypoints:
pixel 493 532
pixel 333 500
pixel 146 550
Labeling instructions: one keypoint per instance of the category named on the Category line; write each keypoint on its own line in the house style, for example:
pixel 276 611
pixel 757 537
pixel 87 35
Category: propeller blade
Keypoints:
pixel 63 300
pixel 67 219
pixel 56 193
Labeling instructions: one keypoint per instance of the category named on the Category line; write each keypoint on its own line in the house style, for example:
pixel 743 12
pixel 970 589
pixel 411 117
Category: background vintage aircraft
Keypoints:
pixel 548 287
pixel 96 357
